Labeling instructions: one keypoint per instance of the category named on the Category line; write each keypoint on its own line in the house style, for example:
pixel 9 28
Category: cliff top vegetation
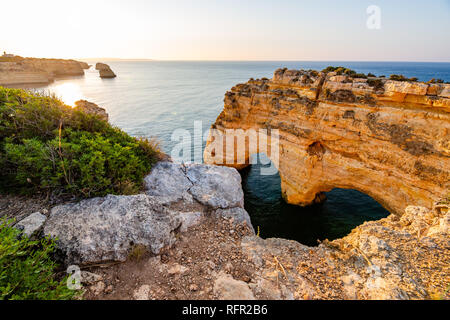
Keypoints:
pixel 47 147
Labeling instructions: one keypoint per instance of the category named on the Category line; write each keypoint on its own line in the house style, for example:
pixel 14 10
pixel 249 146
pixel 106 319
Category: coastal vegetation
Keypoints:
pixel 400 77
pixel 28 270
pixel 370 76
pixel 48 147
pixel 344 71
pixel 436 81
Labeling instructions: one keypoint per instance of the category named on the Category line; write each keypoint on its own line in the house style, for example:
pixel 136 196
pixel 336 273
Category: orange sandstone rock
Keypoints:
pixel 388 139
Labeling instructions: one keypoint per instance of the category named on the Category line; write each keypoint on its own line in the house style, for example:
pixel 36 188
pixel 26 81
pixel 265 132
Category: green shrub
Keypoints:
pixel 377 84
pixel 47 146
pixel 399 77
pixel 346 71
pixel 27 269
pixel 436 81
pixel 360 75
pixel 330 69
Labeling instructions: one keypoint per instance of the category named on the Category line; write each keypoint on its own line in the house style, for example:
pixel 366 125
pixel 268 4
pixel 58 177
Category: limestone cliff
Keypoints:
pixel 388 139
pixel 38 71
pixel 374 262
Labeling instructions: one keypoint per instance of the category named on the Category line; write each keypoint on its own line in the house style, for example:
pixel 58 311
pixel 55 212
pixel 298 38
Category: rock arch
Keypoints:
pixel 388 139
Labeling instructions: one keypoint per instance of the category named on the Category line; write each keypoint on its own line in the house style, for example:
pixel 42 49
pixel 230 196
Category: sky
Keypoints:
pixel 410 30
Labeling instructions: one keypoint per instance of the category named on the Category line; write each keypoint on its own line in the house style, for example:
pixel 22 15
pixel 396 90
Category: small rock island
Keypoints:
pixel 105 71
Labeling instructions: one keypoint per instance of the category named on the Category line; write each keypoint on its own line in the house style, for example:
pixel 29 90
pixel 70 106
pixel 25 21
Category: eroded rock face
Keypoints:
pixel 393 258
pixel 169 182
pixel 105 229
pixel 388 139
pixel 215 187
pixel 38 71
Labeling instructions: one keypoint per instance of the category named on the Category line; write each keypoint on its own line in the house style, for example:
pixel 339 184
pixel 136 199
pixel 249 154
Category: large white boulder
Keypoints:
pixel 213 186
pixel 106 229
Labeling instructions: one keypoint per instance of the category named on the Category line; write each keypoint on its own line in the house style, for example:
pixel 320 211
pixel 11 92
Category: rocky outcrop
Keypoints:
pixel 374 262
pixel 198 191
pixel 91 108
pixel 388 139
pixel 104 70
pixel 106 229
pixel 178 198
pixel 211 186
pixel 38 71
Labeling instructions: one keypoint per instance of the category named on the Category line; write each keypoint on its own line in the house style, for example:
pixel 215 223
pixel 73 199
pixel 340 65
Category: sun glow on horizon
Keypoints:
pixel 325 30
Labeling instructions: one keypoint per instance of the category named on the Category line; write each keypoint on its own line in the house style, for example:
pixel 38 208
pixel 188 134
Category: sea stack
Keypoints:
pixel 104 70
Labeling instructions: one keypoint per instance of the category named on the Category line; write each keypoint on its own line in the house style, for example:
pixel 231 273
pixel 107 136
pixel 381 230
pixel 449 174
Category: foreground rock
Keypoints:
pixel 104 70
pixel 91 108
pixel 109 229
pixel 388 139
pixel 212 186
pixel 199 190
pixel 403 257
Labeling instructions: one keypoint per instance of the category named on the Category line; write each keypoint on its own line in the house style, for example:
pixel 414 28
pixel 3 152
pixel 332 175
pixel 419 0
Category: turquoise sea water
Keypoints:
pixel 155 98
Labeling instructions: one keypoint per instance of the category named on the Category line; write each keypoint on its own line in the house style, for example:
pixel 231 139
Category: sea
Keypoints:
pixel 159 98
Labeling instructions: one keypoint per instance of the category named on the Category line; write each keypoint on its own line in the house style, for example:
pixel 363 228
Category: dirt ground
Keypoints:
pixel 186 271
pixel 19 207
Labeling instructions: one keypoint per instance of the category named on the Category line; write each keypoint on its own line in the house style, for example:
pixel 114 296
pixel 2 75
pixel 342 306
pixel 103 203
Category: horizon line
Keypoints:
pixel 257 60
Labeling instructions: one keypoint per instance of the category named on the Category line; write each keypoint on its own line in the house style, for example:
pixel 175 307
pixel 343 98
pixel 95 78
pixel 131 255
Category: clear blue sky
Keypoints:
pixel 227 29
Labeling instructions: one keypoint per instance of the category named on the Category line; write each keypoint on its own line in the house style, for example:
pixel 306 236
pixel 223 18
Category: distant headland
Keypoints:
pixel 17 70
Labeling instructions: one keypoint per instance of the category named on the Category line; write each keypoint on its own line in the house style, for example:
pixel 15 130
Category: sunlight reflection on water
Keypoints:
pixel 68 93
